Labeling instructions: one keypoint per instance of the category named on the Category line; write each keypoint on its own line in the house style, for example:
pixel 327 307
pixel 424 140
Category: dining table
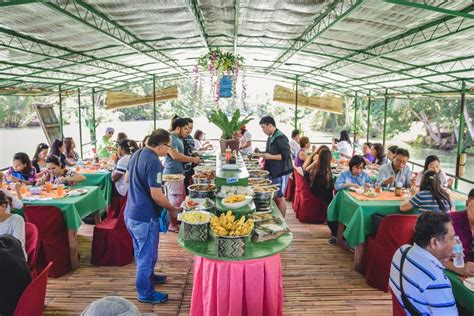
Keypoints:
pixel 463 295
pixel 98 177
pixel 354 212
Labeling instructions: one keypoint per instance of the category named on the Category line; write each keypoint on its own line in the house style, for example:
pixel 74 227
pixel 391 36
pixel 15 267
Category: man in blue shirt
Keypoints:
pixel 396 172
pixel 145 204
pixel 425 285
pixel 174 164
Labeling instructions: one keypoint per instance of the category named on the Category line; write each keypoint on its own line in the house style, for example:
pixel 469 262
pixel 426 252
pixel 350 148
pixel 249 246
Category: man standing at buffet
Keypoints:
pixel 277 159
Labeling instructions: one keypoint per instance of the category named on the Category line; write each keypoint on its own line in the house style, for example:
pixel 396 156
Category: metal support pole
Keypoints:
pixel 461 132
pixel 61 113
pixel 385 118
pixel 94 135
pixel 355 117
pixel 296 105
pixel 154 103
pixel 368 118
pixel 80 118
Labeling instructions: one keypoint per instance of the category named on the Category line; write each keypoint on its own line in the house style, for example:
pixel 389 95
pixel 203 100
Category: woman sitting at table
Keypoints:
pixel 367 153
pixel 343 145
pixel 199 143
pixel 355 176
pixel 379 156
pixel 58 149
pixel 126 148
pixel 391 152
pixel 15 198
pixel 11 224
pixel 432 163
pixel 58 174
pixel 301 155
pixel 69 151
pixel 314 157
pixel 39 159
pixel 432 197
pixel 21 171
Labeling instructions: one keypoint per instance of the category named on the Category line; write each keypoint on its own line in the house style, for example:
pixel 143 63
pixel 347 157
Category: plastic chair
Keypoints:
pixel 397 309
pixel 31 302
pixel 53 236
pixel 395 230
pixel 311 209
pixel 32 246
pixel 112 244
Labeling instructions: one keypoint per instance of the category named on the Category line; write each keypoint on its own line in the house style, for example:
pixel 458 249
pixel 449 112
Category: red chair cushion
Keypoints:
pixel 395 230
pixel 116 203
pixel 53 236
pixel 397 309
pixel 290 189
pixel 112 244
pixel 32 245
pixel 31 302
pixel 311 209
pixel 297 194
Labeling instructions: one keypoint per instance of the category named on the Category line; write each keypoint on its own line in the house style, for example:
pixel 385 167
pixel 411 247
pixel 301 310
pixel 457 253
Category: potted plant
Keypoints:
pixel 228 127
pixel 224 66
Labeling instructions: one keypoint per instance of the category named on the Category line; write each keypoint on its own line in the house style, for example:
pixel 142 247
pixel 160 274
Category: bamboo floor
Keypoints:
pixel 318 279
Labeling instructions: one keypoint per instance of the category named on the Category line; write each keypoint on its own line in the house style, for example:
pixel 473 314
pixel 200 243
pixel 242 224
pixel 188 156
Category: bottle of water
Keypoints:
pixel 458 261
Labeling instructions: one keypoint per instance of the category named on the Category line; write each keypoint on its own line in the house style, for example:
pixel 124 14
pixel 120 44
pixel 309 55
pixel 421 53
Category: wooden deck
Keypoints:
pixel 318 279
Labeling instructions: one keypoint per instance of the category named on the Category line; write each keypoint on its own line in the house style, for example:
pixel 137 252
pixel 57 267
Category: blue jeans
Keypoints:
pixel 145 237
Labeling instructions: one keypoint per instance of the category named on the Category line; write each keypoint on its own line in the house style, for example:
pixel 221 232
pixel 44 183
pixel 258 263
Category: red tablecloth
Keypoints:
pixel 248 287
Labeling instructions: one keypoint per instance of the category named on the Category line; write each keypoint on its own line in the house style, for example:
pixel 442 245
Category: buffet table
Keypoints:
pixel 248 285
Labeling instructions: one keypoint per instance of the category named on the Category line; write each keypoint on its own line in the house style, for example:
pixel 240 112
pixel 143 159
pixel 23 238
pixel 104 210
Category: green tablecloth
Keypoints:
pixel 357 215
pixel 463 295
pixel 75 208
pixel 231 177
pixel 253 250
pixel 101 179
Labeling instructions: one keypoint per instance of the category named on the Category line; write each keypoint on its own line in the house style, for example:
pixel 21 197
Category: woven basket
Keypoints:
pixel 231 246
pixel 196 232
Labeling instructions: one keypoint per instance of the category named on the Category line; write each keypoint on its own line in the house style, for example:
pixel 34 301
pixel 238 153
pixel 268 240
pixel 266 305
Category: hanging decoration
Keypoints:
pixel 223 69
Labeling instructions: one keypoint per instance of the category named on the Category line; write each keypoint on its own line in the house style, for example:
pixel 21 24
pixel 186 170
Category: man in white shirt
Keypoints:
pixel 245 141
pixel 423 282
pixel 295 143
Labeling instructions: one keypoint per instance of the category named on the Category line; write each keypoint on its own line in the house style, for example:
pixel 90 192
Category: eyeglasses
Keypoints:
pixel 166 145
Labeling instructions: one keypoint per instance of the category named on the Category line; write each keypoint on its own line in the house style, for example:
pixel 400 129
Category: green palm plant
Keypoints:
pixel 228 127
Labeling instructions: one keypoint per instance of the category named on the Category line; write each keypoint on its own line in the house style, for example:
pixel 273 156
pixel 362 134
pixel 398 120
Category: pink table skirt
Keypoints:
pixel 249 287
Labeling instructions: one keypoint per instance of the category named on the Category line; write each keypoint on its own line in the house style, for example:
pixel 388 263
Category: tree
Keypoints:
pixel 13 109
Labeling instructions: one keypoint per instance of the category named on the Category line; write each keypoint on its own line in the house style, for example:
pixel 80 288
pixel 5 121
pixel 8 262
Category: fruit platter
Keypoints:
pixel 235 201
pixel 227 225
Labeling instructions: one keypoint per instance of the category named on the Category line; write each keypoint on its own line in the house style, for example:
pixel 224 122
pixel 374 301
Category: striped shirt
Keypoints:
pixel 122 165
pixel 424 282
pixel 424 201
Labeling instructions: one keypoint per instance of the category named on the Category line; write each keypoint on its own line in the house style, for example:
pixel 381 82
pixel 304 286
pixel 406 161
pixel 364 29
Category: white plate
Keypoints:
pixel 200 206
pixel 237 205
pixel 230 167
pixel 77 192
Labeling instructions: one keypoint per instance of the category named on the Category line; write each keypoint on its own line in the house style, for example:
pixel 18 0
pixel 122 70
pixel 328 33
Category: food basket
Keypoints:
pixel 195 231
pixel 202 191
pixel 202 178
pixel 231 246
pixel 263 201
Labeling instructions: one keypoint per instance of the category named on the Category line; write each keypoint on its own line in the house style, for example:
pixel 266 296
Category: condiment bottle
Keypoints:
pixel 228 154
pixel 398 190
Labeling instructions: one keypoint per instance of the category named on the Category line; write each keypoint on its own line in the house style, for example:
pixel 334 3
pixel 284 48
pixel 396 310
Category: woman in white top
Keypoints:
pixel 343 145
pixel 125 149
pixel 432 163
pixel 11 224
pixel 198 141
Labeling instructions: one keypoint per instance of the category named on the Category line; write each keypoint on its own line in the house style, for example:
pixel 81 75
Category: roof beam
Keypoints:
pixel 438 9
pixel 89 16
pixel 236 24
pixel 8 3
pixel 335 12
pixel 196 11
pixel 420 35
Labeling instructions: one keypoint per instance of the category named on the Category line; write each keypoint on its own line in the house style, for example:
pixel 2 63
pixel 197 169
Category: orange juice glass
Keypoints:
pixel 60 190
pixel 78 168
pixel 23 189
pixel 48 186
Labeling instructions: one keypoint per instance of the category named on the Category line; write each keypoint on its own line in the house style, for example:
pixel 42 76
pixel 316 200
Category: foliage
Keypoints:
pixel 218 61
pixel 228 127
pixel 14 109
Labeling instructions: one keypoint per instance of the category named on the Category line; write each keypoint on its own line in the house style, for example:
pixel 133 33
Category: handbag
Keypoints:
pixel 377 219
pixel 408 304
pixel 163 217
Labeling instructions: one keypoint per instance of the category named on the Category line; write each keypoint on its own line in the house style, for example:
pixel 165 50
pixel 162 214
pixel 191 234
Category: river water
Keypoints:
pixel 25 139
